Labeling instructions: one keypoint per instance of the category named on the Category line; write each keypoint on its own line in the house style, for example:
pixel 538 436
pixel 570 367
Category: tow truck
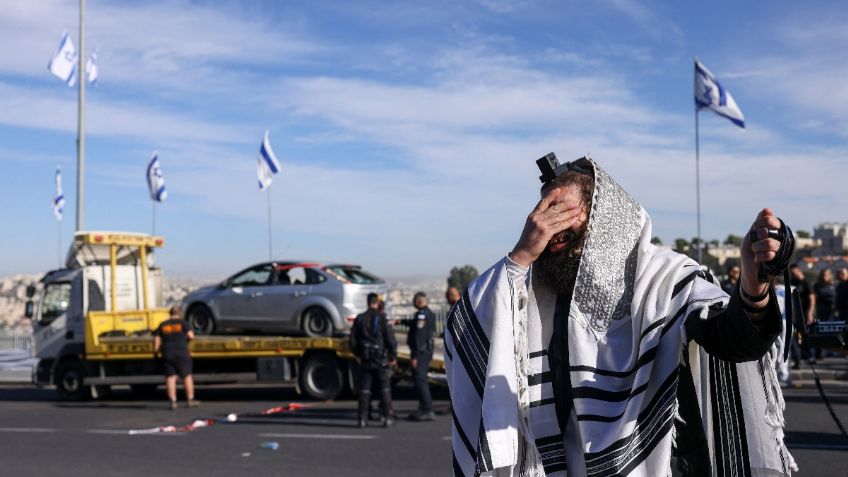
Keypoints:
pixel 93 325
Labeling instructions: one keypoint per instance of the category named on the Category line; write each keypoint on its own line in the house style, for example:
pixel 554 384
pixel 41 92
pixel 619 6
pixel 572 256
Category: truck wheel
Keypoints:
pixel 321 377
pixel 201 320
pixel 144 390
pixel 70 376
pixel 317 323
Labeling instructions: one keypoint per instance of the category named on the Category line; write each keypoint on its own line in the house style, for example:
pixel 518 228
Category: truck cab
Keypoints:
pixel 109 284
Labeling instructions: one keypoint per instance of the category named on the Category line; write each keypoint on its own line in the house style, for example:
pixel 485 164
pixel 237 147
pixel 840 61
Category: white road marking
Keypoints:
pixel 446 438
pixel 27 429
pixel 321 436
pixel 120 432
pixel 818 446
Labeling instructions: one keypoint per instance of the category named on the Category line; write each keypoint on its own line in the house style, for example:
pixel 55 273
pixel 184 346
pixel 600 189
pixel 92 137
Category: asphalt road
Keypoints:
pixel 43 437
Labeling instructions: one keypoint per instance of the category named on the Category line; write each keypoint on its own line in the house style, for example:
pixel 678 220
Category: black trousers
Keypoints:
pixel 382 378
pixel 419 376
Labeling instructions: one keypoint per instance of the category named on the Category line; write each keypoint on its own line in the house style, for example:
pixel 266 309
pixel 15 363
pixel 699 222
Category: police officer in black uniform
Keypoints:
pixel 372 340
pixel 420 341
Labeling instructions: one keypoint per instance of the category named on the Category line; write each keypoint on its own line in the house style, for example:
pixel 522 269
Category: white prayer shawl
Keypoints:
pixel 627 342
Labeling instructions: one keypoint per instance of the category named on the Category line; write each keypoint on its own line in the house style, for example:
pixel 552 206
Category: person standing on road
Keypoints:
pixel 372 340
pixel 842 294
pixel 825 295
pixel 420 341
pixel 729 285
pixel 171 338
pixel 808 302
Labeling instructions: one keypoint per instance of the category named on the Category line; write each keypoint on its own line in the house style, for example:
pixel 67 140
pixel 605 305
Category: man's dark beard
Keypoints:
pixel 558 271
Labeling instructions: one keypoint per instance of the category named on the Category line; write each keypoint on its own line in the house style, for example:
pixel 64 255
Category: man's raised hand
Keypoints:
pixel 558 211
pixel 762 250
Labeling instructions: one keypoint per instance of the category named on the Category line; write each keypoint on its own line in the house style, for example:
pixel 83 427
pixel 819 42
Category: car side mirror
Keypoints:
pixel 30 291
pixel 30 309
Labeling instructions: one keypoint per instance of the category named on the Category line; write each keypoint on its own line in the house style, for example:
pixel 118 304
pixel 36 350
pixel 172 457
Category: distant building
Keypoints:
pixel 833 238
pixel 811 243
pixel 723 253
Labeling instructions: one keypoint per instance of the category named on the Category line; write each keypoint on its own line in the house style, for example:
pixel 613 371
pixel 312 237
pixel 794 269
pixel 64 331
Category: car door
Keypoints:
pixel 237 302
pixel 280 308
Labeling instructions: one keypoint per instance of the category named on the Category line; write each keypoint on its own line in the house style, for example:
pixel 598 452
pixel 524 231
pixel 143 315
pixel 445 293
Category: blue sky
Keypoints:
pixel 408 131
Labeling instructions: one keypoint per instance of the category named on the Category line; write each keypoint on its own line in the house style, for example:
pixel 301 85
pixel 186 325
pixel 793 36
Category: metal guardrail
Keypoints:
pixel 15 338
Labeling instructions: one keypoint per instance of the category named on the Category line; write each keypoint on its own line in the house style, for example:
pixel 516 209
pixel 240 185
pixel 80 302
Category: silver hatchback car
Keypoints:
pixel 284 297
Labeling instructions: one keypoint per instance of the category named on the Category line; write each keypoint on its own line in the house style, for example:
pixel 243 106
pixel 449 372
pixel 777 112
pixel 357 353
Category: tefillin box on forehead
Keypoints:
pixel 551 168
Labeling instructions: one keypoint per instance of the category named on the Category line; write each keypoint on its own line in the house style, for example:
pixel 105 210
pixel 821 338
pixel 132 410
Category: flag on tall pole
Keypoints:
pixel 156 185
pixel 266 167
pixel 91 69
pixel 709 94
pixel 58 196
pixel 266 164
pixel 63 63
pixel 58 205
pixel 155 179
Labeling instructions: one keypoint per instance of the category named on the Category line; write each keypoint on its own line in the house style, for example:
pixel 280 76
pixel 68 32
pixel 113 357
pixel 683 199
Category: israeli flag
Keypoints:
pixel 155 180
pixel 266 164
pixel 91 69
pixel 64 62
pixel 710 95
pixel 58 196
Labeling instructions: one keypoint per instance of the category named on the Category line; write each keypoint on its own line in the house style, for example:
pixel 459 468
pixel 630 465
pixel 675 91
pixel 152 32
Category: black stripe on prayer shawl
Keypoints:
pixel 717 306
pixel 653 326
pixel 689 278
pixel 731 446
pixel 652 427
pixel 646 358
pixel 682 283
pixel 538 354
pixel 462 436
pixel 552 452
pixel 543 377
pixel 457 469
pixel 542 402
pixel 484 455
pixel 670 381
pixel 470 343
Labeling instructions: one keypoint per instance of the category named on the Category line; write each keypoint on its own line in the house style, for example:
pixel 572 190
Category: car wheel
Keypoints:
pixel 317 323
pixel 321 377
pixel 70 378
pixel 200 320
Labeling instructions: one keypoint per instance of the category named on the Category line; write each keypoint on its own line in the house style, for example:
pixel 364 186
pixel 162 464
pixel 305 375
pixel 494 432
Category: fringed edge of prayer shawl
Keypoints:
pixel 489 383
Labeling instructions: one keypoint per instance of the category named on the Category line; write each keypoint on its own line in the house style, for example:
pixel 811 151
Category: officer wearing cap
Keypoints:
pixel 372 340
pixel 420 341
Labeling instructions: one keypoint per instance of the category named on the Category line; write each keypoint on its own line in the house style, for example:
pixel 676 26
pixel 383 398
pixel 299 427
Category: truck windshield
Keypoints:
pixel 57 298
pixel 354 275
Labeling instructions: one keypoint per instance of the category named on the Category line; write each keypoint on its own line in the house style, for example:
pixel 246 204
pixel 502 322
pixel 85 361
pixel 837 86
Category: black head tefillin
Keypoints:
pixel 551 168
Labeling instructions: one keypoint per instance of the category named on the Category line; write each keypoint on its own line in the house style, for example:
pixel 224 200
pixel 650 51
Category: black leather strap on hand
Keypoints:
pixel 774 267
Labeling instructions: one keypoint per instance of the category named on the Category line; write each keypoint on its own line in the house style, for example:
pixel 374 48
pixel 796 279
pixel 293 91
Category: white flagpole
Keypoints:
pixel 698 182
pixel 154 217
pixel 270 238
pixel 81 73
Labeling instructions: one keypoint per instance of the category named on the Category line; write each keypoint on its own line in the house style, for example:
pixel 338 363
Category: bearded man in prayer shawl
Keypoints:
pixel 588 351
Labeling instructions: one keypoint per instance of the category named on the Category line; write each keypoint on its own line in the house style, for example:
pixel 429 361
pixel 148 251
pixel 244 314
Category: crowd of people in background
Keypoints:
pixel 372 340
pixel 826 299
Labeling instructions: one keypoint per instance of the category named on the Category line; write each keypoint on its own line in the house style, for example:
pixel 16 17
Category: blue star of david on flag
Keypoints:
pixel 709 94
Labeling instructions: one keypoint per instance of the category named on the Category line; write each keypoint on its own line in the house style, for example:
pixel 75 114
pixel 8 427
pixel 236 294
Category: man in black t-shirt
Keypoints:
pixel 171 338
